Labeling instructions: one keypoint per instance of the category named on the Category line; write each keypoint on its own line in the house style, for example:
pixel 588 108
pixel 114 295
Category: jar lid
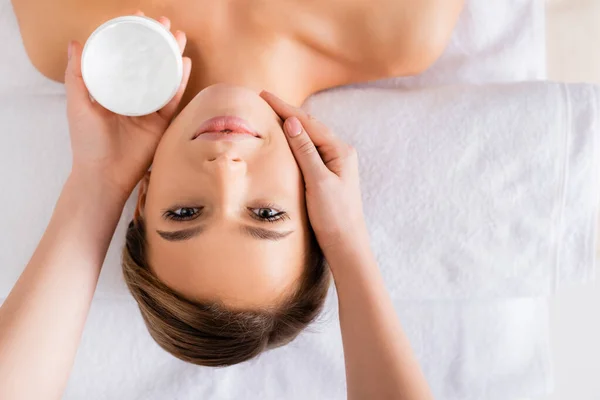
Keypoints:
pixel 132 65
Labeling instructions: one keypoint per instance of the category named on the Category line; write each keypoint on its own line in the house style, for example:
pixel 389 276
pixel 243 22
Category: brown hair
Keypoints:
pixel 210 334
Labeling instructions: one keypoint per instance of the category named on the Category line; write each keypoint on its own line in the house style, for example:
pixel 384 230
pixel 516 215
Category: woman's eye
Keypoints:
pixel 267 214
pixel 182 214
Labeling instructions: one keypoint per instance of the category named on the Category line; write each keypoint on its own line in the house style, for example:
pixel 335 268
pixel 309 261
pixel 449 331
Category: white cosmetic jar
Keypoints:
pixel 132 65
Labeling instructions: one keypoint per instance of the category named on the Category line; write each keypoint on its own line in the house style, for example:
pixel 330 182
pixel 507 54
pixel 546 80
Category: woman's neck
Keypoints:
pixel 272 62
pixel 292 89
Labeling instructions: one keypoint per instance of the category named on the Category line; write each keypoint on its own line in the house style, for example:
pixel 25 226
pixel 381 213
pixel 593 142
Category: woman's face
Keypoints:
pixel 225 214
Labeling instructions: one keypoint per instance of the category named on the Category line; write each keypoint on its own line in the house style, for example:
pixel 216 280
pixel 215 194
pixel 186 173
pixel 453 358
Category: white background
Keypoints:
pixel 573 48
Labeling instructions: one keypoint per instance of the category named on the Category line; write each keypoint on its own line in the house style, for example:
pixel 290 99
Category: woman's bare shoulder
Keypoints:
pixel 375 39
pixel 47 26
pixel 41 27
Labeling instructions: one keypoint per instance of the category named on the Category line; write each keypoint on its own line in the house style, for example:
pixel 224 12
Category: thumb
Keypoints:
pixel 304 150
pixel 77 93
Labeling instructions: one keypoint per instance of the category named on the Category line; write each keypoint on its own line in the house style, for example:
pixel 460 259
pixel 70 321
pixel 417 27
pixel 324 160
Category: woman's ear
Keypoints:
pixel 141 203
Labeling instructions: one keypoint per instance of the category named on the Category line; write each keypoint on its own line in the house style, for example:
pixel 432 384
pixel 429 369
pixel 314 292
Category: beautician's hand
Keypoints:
pixel 108 146
pixel 330 170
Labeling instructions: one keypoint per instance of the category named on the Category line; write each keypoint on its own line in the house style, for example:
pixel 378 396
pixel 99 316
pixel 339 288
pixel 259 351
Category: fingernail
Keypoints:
pixel 293 127
pixel 70 49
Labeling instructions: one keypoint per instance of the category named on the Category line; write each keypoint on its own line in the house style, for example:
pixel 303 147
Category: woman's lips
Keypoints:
pixel 229 137
pixel 225 128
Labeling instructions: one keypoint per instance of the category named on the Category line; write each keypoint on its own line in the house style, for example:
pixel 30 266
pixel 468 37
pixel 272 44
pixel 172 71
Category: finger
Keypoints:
pixel 166 22
pixel 77 93
pixel 181 40
pixel 139 13
pixel 304 150
pixel 319 133
pixel 168 111
pixel 329 146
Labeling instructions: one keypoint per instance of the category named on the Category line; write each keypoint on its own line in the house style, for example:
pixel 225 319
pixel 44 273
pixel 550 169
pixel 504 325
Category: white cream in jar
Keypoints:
pixel 132 65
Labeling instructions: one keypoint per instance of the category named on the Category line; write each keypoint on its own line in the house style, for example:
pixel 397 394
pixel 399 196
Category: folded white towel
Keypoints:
pixel 469 191
pixel 476 191
pixel 468 351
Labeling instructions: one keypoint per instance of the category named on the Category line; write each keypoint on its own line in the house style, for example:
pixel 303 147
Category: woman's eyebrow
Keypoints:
pixel 264 234
pixel 184 234
pixel 252 231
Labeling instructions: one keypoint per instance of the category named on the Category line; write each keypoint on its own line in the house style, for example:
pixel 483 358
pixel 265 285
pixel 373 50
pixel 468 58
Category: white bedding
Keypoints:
pixel 455 341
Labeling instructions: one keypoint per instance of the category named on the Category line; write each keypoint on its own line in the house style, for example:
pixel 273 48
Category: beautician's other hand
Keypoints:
pixel 330 170
pixel 113 148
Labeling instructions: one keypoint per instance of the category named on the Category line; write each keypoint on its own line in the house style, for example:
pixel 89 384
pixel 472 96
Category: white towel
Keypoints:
pixel 476 191
pixel 117 358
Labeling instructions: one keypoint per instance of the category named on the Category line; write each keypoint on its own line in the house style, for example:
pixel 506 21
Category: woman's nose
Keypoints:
pixel 227 164
pixel 227 174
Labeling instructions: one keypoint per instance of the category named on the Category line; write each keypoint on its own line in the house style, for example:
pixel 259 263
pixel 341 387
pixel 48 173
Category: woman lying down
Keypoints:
pixel 250 205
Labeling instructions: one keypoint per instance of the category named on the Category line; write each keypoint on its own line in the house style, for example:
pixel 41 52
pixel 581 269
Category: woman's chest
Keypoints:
pixel 227 37
pixel 47 26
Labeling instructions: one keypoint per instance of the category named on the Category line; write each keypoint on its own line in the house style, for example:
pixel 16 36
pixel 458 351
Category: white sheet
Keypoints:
pixel 470 351
pixel 118 360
